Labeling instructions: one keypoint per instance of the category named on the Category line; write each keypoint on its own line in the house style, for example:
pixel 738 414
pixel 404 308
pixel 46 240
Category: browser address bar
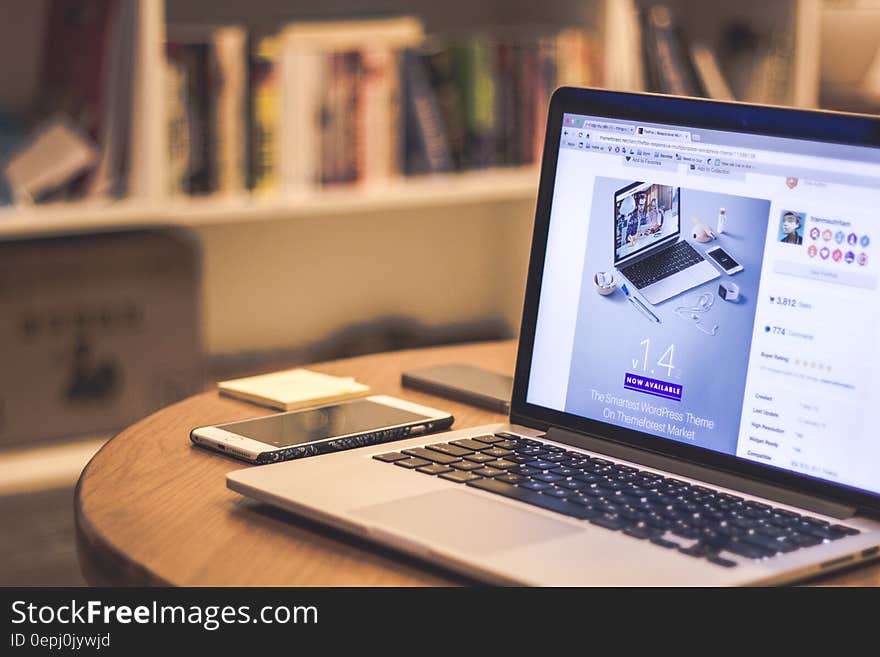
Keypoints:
pixel 678 146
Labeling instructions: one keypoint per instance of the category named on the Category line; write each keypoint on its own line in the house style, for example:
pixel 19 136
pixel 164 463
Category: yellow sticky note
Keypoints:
pixel 291 389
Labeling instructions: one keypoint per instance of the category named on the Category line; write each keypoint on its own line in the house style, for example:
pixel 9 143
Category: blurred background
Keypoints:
pixel 194 190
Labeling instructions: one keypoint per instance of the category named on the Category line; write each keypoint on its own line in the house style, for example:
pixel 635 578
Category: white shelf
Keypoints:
pixel 489 186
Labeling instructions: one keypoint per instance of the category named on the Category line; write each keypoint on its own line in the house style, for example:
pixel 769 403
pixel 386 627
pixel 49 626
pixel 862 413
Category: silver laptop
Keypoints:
pixel 648 249
pixel 726 438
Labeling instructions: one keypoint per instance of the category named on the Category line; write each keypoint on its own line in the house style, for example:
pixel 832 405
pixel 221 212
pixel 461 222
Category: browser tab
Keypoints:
pixel 664 133
pixel 608 126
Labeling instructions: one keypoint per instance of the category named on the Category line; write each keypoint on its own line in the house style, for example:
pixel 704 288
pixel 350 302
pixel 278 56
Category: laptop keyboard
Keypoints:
pixel 696 520
pixel 660 265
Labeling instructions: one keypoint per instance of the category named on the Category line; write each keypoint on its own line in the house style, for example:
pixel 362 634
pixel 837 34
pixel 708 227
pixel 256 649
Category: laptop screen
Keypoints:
pixel 776 360
pixel 645 214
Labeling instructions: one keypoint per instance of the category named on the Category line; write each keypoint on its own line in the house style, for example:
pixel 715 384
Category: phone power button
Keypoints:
pixel 417 430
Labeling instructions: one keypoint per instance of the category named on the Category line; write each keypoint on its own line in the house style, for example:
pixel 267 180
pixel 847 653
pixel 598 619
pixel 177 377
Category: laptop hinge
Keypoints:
pixel 703 473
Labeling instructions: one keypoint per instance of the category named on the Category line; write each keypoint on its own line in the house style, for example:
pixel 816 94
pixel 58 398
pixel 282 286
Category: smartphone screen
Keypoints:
pixel 722 258
pixel 299 427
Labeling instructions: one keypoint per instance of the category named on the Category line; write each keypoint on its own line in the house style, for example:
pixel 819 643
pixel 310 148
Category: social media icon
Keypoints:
pixel 824 252
pixel 811 251
pixel 836 255
pixel 839 237
pixel 849 257
pixel 814 233
pixel 826 235
pixel 863 259
pixel 865 241
pixel 852 238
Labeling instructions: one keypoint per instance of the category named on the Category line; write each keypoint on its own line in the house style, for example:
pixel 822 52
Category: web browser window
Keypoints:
pixel 774 360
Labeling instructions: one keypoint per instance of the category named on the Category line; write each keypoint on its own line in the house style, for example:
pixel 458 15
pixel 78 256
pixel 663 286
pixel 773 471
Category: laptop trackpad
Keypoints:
pixel 464 521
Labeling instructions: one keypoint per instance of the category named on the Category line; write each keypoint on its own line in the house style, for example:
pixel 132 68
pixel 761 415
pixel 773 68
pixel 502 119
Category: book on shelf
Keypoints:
pixel 263 113
pixel 506 146
pixel 229 124
pixel 427 146
pixel 378 118
pixel 440 93
pixel 112 175
pixel 474 61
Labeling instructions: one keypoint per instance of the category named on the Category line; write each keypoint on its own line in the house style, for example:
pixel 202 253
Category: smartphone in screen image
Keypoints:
pixel 724 260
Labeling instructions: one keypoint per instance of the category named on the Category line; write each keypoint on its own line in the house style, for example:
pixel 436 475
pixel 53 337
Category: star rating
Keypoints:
pixel 812 364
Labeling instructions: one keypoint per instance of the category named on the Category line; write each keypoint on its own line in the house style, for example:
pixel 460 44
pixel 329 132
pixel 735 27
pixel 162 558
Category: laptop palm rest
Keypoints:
pixel 464 522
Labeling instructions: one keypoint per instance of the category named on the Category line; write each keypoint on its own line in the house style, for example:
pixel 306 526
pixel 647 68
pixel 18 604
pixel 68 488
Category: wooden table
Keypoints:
pixel 153 510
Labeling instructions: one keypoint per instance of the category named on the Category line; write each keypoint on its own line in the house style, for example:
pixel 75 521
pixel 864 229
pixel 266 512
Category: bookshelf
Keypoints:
pixel 466 217
pixel 149 201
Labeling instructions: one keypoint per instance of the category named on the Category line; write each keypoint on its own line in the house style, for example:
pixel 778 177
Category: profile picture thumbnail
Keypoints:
pixel 791 227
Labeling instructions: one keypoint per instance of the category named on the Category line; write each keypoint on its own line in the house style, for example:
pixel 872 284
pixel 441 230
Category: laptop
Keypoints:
pixel 730 442
pixel 648 250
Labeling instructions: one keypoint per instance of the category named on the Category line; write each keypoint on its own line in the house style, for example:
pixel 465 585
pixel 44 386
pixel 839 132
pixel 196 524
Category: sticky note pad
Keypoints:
pixel 288 390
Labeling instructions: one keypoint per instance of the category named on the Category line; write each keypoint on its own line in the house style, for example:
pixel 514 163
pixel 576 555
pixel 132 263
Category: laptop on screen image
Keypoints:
pixel 722 438
pixel 647 248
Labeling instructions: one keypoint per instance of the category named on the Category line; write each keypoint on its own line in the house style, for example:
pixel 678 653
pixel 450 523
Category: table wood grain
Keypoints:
pixel 151 509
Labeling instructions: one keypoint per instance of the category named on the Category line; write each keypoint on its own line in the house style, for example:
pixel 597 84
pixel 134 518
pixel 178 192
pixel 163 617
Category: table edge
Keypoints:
pixel 100 561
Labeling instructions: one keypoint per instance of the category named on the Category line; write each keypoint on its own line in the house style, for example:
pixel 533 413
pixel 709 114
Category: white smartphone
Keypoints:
pixel 321 429
pixel 724 260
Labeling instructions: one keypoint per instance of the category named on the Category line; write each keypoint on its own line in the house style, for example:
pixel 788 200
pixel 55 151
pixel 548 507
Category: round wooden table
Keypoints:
pixel 151 509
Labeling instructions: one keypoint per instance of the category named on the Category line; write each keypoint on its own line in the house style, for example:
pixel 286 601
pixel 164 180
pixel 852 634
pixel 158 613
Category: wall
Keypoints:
pixel 271 285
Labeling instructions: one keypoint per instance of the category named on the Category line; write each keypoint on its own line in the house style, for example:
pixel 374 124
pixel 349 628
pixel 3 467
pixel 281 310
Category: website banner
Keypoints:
pixel 660 344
